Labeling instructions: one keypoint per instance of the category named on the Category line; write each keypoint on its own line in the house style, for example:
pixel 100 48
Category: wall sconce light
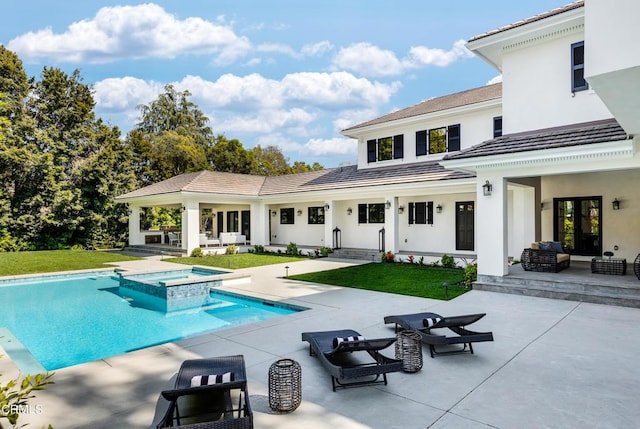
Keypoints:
pixel 326 206
pixel 273 213
pixel 299 212
pixel 388 204
pixel 184 208
pixel 439 208
pixel 616 204
pixel 349 211
pixel 487 188
pixel 401 209
pixel 541 206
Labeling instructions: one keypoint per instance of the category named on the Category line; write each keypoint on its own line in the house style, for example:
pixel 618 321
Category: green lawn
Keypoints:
pixel 239 260
pixel 414 280
pixel 46 261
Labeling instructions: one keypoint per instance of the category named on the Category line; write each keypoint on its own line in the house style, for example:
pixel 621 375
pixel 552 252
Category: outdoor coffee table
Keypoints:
pixel 614 266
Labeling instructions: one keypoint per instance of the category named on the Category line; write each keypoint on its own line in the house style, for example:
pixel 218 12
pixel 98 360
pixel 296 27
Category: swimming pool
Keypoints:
pixel 76 319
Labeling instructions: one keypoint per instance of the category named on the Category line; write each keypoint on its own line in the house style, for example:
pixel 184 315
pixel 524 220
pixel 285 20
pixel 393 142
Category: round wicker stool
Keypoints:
pixel 285 385
pixel 409 350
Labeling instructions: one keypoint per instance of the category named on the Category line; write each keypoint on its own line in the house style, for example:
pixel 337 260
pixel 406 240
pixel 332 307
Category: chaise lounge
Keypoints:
pixel 424 323
pixel 209 393
pixel 348 356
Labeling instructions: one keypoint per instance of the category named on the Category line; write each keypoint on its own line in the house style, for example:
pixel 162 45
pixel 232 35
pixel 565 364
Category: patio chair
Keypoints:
pixel 424 323
pixel 219 398
pixel 351 359
pixel 173 239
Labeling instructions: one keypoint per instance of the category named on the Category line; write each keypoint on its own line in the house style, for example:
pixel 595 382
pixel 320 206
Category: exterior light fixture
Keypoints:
pixel 401 209
pixel 388 204
pixel 184 208
pixel 439 208
pixel 487 188
pixel 299 212
pixel 616 204
pixel 273 213
pixel 326 206
pixel 349 211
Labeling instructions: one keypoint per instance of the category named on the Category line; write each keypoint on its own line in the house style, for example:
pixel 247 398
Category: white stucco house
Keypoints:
pixel 554 140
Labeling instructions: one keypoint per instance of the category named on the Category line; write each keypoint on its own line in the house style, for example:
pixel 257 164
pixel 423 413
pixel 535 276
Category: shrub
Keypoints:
pixel 259 248
pixel 232 249
pixel 388 257
pixel 448 261
pixel 421 260
pixel 326 250
pixel 410 259
pixel 292 248
pixel 197 253
pixel 470 274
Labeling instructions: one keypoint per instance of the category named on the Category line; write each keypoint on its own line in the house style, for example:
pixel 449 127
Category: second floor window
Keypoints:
pixel 497 126
pixel 385 149
pixel 578 82
pixel 438 140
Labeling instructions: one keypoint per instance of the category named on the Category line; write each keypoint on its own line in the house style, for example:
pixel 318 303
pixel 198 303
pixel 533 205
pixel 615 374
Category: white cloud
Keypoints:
pixel 316 49
pixel 496 79
pixel 125 93
pixel 370 60
pixel 141 31
pixel 312 147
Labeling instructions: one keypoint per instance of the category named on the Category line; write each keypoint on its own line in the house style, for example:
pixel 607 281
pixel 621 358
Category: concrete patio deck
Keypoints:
pixel 554 363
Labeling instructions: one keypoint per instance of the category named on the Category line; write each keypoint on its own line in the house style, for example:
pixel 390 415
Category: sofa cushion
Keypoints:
pixel 535 246
pixel 545 246
pixel 557 247
pixel 562 257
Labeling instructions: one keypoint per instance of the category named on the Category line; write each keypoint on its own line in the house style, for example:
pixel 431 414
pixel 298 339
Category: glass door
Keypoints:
pixel 577 225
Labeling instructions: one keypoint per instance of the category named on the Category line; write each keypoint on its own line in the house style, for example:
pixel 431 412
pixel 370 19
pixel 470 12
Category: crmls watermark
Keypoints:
pixel 22 409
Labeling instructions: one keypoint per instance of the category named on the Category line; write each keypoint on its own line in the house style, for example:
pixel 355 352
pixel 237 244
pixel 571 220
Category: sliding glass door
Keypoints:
pixel 577 224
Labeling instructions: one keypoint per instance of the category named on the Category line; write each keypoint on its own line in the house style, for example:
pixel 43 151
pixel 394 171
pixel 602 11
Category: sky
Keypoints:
pixel 289 73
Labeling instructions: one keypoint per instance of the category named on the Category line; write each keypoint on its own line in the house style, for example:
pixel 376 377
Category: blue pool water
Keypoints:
pixel 73 320
pixel 167 276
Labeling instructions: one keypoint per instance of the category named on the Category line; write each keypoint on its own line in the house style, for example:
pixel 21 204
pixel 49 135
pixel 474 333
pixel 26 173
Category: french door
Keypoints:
pixel 577 224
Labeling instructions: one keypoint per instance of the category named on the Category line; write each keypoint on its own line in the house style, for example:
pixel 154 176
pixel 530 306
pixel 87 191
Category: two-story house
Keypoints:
pixel 547 154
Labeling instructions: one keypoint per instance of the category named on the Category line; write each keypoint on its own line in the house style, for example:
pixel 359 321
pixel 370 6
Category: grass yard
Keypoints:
pixel 403 279
pixel 46 261
pixel 239 260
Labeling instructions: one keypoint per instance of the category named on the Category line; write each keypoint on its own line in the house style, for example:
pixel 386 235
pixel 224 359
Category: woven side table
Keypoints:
pixel 285 385
pixel 409 350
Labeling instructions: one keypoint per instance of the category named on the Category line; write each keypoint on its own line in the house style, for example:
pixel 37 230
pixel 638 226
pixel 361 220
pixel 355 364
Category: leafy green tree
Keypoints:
pixel 270 161
pixel 230 156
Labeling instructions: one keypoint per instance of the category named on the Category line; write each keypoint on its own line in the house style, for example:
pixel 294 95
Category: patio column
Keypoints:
pixel 330 221
pixel 491 226
pixel 259 224
pixel 134 226
pixel 190 225
pixel 391 220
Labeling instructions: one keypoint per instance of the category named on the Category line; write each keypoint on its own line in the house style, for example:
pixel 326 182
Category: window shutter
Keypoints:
pixel 398 146
pixel 421 143
pixel 497 126
pixel 411 213
pixel 453 137
pixel 362 213
pixel 430 212
pixel 371 151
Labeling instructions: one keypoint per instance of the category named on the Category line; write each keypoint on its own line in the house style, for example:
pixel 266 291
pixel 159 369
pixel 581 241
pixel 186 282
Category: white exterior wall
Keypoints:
pixel 536 89
pixel 611 36
pixel 475 127
pixel 300 232
pixel 616 224
pixel 438 237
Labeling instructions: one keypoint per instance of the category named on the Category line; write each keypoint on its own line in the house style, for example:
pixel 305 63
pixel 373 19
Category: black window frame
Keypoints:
pixel 315 215
pixel 371 213
pixel 233 221
pixel 497 126
pixel 421 143
pixel 421 213
pixel 376 151
pixel 578 81
pixel 287 216
pixel 450 133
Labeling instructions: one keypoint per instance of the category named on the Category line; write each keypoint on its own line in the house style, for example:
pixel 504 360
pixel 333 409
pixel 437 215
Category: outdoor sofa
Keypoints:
pixel 232 238
pixel 547 256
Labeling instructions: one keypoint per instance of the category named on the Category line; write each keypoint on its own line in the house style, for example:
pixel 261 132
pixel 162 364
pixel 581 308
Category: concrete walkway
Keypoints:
pixel 554 364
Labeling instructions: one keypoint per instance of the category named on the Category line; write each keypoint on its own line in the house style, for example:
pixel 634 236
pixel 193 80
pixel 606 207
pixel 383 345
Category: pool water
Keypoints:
pixel 158 278
pixel 64 322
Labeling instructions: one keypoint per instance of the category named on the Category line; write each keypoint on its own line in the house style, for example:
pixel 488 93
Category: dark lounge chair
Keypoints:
pixel 424 323
pixel 359 360
pixel 222 405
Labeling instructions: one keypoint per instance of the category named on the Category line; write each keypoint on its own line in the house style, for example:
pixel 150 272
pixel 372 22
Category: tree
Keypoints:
pixel 270 161
pixel 230 156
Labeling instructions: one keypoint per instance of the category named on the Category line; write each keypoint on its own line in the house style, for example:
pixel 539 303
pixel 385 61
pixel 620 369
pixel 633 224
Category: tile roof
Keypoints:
pixel 321 180
pixel 471 96
pixel 607 130
pixel 556 11
pixel 213 182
